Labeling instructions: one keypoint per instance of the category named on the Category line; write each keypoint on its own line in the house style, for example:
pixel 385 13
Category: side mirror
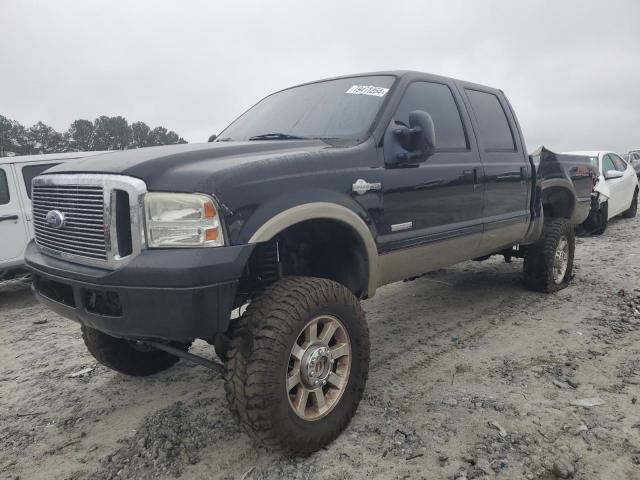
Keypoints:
pixel 412 144
pixel 611 174
pixel 212 138
pixel 425 133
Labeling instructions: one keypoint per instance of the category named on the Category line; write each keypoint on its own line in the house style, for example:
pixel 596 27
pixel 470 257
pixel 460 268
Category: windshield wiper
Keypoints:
pixel 276 136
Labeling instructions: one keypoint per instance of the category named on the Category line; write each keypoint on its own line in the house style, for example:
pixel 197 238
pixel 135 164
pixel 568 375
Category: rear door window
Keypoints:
pixel 4 188
pixel 29 172
pixel 495 131
pixel 437 100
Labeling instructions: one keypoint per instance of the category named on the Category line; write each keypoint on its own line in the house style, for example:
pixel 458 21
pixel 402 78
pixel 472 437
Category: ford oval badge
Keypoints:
pixel 55 219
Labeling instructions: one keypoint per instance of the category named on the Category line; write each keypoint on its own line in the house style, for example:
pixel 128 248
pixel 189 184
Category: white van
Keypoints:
pixel 16 229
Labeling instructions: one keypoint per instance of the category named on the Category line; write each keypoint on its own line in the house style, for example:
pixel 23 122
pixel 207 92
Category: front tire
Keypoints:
pixel 298 364
pixel 126 356
pixel 633 208
pixel 548 263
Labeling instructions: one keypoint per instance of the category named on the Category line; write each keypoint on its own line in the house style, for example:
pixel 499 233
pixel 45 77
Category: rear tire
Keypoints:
pixel 633 208
pixel 275 366
pixel 126 356
pixel 548 263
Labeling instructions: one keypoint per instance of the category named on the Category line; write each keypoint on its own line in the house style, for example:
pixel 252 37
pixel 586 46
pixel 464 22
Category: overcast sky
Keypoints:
pixel 570 68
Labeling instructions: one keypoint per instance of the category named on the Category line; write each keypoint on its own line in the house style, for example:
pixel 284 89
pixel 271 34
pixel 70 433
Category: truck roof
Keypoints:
pixel 399 74
pixel 47 156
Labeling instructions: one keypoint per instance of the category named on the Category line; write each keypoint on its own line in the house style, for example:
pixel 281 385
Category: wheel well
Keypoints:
pixel 319 248
pixel 557 202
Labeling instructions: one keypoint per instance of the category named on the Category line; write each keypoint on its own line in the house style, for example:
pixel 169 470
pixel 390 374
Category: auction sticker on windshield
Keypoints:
pixel 368 90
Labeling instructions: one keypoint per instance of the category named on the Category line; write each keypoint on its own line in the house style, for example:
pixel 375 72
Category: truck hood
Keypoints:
pixel 204 167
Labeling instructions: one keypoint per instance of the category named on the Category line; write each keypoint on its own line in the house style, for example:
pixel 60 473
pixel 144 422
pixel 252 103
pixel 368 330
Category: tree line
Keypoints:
pixel 104 133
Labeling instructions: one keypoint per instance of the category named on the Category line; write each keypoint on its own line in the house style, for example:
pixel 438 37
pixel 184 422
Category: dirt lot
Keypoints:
pixel 471 376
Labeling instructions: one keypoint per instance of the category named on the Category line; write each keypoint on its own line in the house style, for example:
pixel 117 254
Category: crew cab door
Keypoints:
pixel 506 168
pixel 433 208
pixel 13 234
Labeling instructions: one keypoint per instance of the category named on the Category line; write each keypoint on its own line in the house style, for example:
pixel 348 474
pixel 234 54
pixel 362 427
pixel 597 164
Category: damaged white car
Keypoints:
pixel 615 193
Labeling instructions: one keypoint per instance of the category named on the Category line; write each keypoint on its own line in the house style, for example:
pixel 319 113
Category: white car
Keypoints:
pixel 616 190
pixel 16 229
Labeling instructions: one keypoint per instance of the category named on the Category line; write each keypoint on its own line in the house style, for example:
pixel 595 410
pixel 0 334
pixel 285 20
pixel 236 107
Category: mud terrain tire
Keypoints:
pixel 261 363
pixel 548 263
pixel 124 357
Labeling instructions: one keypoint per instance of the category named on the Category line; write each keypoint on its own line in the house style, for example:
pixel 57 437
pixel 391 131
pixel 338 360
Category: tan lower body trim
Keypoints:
pixel 410 262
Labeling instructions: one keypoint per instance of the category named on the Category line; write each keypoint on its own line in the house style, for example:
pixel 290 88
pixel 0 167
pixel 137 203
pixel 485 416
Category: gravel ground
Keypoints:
pixel 471 377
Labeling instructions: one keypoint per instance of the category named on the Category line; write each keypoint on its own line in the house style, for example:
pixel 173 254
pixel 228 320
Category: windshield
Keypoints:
pixel 342 109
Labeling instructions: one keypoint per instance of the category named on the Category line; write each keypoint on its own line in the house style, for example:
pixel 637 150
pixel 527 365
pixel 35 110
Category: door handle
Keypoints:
pixel 523 175
pixel 8 217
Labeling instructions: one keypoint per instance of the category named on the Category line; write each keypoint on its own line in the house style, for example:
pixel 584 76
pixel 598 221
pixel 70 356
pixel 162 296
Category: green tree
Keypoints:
pixel 80 135
pixel 139 135
pixel 13 137
pixel 42 138
pixel 173 138
pixel 111 133
pixel 105 133
pixel 160 136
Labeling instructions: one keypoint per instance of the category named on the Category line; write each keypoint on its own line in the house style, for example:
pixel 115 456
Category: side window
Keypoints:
pixel 620 164
pixel 31 171
pixel 437 100
pixel 4 188
pixel 494 127
pixel 607 164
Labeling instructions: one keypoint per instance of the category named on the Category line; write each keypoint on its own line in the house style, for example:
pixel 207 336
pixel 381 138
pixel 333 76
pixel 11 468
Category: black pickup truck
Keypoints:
pixel 302 207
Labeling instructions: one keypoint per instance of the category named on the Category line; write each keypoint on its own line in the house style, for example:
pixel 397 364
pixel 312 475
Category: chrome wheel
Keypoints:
pixel 561 260
pixel 319 366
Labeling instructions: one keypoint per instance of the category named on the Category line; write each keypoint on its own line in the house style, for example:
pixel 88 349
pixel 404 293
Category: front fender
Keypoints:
pixel 603 189
pixel 275 216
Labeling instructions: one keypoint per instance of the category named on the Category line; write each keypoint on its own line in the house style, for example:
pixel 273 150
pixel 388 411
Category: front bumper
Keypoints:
pixel 171 294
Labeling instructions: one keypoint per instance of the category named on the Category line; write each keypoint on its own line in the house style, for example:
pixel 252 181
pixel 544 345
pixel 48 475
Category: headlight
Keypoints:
pixel 182 220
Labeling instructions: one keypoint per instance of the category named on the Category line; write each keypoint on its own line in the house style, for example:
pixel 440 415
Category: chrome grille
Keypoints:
pixel 99 217
pixel 83 232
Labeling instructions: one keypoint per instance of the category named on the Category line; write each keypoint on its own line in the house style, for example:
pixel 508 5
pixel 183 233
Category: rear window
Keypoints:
pixel 4 188
pixel 492 120
pixel 32 171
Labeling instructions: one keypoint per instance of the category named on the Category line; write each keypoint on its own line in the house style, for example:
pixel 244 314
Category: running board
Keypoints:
pixel 205 362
